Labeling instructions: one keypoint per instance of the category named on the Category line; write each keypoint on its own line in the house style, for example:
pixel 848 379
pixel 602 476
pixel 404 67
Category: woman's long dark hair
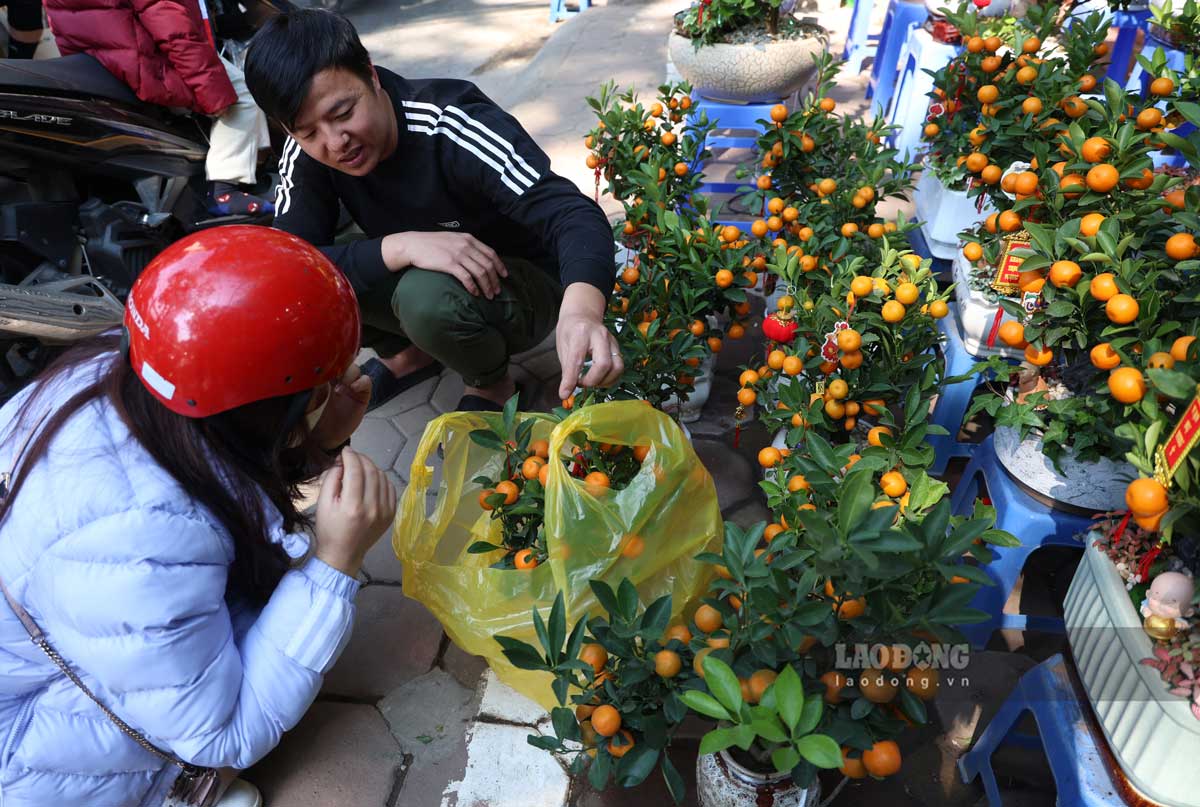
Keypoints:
pixel 226 462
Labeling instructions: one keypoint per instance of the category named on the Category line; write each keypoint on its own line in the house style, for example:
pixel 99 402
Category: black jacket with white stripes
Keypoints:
pixel 462 164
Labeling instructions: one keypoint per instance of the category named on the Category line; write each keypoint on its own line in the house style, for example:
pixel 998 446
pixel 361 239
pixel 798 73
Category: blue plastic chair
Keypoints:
pixel 954 399
pixel 909 105
pixel 559 12
pixel 741 117
pixel 1139 78
pixel 1072 746
pixel 902 17
pixel 942 267
pixel 859 42
pixel 1128 24
pixel 1035 524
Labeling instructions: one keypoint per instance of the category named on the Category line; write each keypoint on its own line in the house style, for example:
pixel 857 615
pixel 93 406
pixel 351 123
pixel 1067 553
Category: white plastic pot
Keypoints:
pixel 1153 734
pixel 944 214
pixel 977 315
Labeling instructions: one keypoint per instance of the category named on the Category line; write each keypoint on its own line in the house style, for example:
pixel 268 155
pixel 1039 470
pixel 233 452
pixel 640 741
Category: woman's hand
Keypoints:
pixel 356 505
pixel 348 399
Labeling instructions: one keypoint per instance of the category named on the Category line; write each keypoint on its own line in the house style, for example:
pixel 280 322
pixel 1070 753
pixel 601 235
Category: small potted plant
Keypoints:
pixel 745 50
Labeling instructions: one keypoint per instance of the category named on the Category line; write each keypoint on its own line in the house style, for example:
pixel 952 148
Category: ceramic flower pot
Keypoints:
pixel 944 214
pixel 1153 734
pixel 763 71
pixel 722 782
pixel 1098 486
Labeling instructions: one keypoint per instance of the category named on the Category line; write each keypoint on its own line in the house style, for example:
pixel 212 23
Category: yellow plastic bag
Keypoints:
pixel 671 504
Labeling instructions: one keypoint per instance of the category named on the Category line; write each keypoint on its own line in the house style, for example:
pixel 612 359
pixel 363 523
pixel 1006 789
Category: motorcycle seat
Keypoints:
pixel 77 75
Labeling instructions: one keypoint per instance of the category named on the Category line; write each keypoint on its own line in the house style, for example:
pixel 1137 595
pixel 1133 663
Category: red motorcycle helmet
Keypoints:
pixel 238 314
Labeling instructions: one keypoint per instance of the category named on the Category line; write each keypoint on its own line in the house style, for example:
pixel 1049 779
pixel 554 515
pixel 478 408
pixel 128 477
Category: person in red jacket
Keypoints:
pixel 162 49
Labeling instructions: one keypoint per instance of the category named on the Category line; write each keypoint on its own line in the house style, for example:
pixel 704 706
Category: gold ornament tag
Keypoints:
pixel 1008 271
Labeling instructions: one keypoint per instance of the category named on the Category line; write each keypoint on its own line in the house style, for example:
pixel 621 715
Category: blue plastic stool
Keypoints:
pixel 558 9
pixel 910 101
pixel 1127 23
pixel 729 116
pixel 859 41
pixel 902 17
pixel 954 399
pixel 1035 524
pixel 1139 78
pixel 942 267
pixel 1072 746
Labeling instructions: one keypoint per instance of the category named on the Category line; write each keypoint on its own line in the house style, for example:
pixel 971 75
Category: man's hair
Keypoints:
pixel 292 48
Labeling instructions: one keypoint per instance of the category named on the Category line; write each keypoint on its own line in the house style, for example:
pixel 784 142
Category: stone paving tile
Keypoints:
pixel 381 563
pixel 502 773
pixel 501 702
pixel 448 393
pixel 412 423
pixel 403 464
pixel 395 640
pixel 466 669
pixel 379 440
pixel 734 478
pixel 411 398
pixel 430 717
pixel 340 754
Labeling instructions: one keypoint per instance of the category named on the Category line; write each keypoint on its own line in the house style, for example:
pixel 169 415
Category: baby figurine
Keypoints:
pixel 1168 603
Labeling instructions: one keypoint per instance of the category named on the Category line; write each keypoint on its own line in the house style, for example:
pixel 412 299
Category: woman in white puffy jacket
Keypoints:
pixel 150 530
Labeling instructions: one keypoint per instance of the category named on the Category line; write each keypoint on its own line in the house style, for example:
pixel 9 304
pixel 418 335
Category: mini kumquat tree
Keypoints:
pixel 863 345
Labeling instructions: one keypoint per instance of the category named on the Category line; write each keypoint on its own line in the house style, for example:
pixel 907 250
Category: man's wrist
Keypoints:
pixel 582 301
pixel 394 249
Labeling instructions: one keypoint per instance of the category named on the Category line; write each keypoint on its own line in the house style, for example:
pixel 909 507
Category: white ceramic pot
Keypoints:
pixel 1098 486
pixel 702 388
pixel 722 782
pixel 1153 735
pixel 977 315
pixel 944 214
pixel 751 72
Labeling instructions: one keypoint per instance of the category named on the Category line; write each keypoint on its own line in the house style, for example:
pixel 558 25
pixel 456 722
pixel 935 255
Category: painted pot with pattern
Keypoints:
pixel 762 71
pixel 722 782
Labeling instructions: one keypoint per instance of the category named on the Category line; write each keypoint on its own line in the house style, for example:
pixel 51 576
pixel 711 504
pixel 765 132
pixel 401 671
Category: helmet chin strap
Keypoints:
pixel 295 414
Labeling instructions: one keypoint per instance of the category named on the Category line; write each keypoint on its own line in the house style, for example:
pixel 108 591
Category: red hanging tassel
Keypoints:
pixel 1150 557
pixel 991 340
pixel 1120 532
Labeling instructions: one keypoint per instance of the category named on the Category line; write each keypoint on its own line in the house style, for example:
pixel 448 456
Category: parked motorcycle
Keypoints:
pixel 93 184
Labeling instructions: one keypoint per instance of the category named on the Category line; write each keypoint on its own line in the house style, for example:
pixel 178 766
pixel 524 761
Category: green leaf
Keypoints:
pixel 718 740
pixel 558 626
pixel 565 724
pixel 769 729
pixel 705 704
pixel 539 625
pixel 820 750
pixel 1172 383
pixel 856 495
pixel 637 765
pixel 656 617
pixel 544 743
pixel 627 597
pixel 789 697
pixel 861 708
pixel 784 759
pixel 510 417
pixel 598 773
pixel 723 684
pixel 521 655
pixel 675 783
pixel 604 596
pixel 488 439
pixel 482 548
pixel 814 710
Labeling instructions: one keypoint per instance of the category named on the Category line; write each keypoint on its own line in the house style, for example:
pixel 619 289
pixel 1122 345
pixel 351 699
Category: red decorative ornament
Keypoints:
pixel 780 327
pixel 982 3
pixel 945 32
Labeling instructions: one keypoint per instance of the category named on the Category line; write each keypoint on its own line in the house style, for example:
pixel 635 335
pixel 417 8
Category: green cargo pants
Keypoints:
pixel 473 336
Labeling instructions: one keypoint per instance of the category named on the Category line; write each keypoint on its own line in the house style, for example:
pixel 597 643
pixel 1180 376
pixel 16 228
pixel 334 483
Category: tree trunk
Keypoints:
pixel 773 21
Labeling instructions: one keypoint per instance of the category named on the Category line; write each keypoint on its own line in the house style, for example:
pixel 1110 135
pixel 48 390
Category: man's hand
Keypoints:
pixel 474 263
pixel 348 401
pixel 581 333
